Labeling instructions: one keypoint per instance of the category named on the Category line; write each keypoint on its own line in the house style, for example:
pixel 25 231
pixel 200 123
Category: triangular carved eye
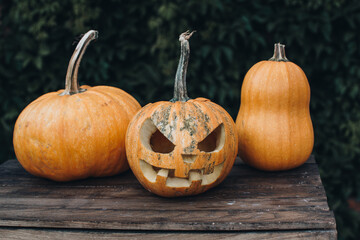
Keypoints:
pixel 214 141
pixel 153 139
pixel 159 143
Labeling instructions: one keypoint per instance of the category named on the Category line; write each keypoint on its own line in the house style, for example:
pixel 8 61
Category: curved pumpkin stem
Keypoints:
pixel 180 91
pixel 279 53
pixel 71 82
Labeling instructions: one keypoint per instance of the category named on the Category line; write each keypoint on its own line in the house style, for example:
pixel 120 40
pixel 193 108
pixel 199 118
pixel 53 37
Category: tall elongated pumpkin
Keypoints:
pixel 274 124
pixel 183 146
pixel 77 132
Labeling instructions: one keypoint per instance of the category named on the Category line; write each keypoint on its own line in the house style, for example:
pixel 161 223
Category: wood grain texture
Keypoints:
pixel 247 201
pixel 50 234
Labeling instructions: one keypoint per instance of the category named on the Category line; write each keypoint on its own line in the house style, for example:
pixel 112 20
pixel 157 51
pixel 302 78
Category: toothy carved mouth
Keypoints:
pixel 152 173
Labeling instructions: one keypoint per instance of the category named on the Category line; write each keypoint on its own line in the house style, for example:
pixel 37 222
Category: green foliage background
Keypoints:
pixel 138 50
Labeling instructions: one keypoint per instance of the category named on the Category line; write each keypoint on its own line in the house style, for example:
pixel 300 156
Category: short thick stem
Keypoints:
pixel 180 91
pixel 279 53
pixel 71 82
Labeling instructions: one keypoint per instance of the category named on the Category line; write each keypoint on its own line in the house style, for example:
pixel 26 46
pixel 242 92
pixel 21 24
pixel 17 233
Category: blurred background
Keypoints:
pixel 138 51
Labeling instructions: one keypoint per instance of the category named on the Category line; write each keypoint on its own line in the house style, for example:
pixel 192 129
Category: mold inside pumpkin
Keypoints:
pixel 182 146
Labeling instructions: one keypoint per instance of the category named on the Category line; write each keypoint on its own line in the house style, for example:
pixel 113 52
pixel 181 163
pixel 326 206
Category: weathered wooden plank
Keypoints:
pixel 103 218
pixel 174 221
pixel 11 173
pixel 247 200
pixel 29 234
pixel 8 167
pixel 19 207
pixel 254 182
pixel 219 198
pixel 301 196
pixel 239 173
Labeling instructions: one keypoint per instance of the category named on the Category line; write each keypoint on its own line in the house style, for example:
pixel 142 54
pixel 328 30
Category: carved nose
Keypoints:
pixel 188 158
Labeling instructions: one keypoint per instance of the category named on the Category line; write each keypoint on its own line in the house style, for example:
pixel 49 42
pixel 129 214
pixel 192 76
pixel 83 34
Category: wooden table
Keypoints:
pixel 249 204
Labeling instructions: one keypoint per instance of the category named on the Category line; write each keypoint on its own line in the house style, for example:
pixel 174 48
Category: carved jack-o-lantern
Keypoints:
pixel 184 146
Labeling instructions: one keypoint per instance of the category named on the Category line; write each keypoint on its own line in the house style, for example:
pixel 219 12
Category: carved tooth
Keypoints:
pixel 194 176
pixel 150 174
pixel 163 172
pixel 177 182
pixel 148 171
pixel 210 178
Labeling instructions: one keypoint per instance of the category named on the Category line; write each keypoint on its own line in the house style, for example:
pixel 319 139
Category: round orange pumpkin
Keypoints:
pixel 77 132
pixel 274 124
pixel 183 146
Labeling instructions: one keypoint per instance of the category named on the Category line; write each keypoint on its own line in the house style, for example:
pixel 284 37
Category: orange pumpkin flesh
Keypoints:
pixel 274 124
pixel 77 132
pixel 184 146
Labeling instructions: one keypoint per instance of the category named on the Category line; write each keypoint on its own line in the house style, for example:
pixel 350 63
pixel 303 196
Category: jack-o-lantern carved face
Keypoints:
pixel 184 146
pixel 181 148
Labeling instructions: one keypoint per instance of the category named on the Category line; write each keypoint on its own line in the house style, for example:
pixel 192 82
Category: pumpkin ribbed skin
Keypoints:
pixel 185 124
pixel 274 124
pixel 78 132
pixel 183 146
pixel 76 136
